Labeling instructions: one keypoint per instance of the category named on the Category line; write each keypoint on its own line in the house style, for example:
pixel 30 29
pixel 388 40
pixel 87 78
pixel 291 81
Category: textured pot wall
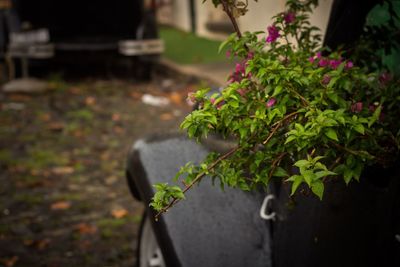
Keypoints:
pixel 358 225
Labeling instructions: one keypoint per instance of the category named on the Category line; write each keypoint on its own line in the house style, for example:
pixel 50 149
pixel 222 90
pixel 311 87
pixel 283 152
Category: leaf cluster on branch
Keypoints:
pixel 297 112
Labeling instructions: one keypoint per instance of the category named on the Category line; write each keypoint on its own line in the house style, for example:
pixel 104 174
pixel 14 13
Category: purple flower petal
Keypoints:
pixel 356 107
pixel 326 79
pixel 348 65
pixel 334 63
pixel 289 17
pixel 323 62
pixel 273 34
pixel 271 102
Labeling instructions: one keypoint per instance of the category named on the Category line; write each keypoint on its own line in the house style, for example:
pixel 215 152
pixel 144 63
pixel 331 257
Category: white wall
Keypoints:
pixel 257 19
pixel 180 10
pixel 260 14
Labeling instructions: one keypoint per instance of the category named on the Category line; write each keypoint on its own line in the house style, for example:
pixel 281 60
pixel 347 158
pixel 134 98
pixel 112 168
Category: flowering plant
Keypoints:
pixel 296 111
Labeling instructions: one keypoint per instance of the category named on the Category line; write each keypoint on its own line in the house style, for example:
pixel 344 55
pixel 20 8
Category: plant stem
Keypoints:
pixel 275 163
pixel 228 11
pixel 197 179
pixel 277 125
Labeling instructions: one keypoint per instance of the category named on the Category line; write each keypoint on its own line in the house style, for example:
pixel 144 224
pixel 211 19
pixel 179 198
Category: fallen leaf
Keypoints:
pixel 42 244
pixel 85 244
pixel 118 130
pixel 28 242
pixel 119 213
pixel 116 117
pixel 90 101
pixel 84 228
pixel 63 170
pixel 136 95
pixel 20 97
pixel 9 262
pixel 111 180
pixel 45 117
pixel 56 126
pixel 75 90
pixel 78 133
pixel 175 98
pixel 105 155
pixel 166 116
pixel 60 205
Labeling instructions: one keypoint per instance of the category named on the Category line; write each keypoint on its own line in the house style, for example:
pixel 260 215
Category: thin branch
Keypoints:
pixel 305 101
pixel 272 133
pixel 196 180
pixel 275 163
pixel 286 118
pixel 277 125
pixel 348 150
pixel 228 11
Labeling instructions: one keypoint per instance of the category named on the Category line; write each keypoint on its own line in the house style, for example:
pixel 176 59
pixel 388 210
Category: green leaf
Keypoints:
pixel 359 128
pixel 332 82
pixel 330 133
pixel 309 177
pixel 290 139
pixel 277 90
pixel 321 174
pixel 302 163
pixel 297 180
pixel 378 16
pixel 222 45
pixel 347 175
pixel 318 189
pixel 333 96
pixel 375 116
pixel 243 132
pixel 280 172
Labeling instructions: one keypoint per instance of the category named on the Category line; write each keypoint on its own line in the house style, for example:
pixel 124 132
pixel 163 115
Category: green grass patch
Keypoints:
pixel 187 48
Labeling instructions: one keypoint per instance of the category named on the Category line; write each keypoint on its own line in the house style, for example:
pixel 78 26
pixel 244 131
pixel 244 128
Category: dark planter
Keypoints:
pixel 355 225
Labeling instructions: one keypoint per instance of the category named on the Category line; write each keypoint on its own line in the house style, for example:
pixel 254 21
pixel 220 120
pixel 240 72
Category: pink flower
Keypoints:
pixel 318 55
pixel 191 99
pixel 356 107
pixel 323 62
pixel 384 78
pixel 289 17
pixel 220 104
pixel 239 68
pixel 326 79
pixel 242 92
pixel 273 34
pixel 311 59
pixel 228 53
pixel 212 100
pixel 271 102
pixel 334 63
pixel 239 73
pixel 348 65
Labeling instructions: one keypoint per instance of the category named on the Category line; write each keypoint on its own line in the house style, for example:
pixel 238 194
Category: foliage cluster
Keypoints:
pixel 298 112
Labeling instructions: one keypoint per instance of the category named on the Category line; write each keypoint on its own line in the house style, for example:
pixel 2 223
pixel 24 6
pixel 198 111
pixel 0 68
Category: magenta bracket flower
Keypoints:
pixel 289 17
pixel 356 107
pixel 273 34
pixel 271 102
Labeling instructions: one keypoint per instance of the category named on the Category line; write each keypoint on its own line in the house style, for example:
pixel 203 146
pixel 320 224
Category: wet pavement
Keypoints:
pixel 63 195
